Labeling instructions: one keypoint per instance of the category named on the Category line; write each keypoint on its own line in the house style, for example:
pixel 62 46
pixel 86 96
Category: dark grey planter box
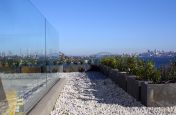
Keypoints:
pixel 122 80
pixel 134 87
pixel 105 70
pixel 158 95
pixel 119 78
pixel 75 68
pixel 114 75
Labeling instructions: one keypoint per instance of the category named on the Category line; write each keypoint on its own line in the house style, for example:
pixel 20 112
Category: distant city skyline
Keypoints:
pixel 28 52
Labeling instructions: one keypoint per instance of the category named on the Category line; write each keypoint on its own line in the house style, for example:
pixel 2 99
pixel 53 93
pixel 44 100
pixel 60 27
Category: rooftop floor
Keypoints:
pixel 92 93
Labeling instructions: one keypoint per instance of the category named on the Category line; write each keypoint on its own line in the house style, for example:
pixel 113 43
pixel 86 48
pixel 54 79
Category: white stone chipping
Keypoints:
pixel 92 94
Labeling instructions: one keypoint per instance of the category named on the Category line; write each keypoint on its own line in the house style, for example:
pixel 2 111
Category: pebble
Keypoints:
pixel 87 94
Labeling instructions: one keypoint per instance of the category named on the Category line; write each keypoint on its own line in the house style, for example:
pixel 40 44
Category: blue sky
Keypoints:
pixel 118 26
pixel 22 29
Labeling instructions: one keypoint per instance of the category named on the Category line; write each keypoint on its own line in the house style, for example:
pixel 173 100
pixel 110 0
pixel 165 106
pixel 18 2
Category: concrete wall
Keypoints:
pixel 76 68
pixel 47 103
pixel 118 77
pixel 114 75
pixel 134 87
pixel 162 95
pixel 122 80
pixel 151 95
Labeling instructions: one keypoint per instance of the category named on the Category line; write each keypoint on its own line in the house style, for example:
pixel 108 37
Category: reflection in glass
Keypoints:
pixel 28 56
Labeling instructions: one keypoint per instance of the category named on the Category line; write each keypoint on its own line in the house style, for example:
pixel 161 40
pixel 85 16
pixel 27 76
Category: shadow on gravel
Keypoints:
pixel 107 92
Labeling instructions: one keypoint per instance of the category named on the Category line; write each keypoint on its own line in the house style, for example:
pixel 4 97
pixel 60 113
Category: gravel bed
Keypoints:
pixel 93 94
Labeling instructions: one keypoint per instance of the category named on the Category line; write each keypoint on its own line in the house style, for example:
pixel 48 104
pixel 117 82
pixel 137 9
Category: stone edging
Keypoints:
pixel 47 103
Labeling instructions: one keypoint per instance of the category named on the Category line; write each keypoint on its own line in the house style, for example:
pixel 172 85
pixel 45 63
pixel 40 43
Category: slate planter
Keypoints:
pixel 158 95
pixel 134 87
pixel 119 78
pixel 114 75
pixel 122 80
pixel 105 70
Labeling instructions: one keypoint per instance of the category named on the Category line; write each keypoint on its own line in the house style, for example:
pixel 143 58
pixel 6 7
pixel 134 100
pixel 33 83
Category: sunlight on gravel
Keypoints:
pixel 93 94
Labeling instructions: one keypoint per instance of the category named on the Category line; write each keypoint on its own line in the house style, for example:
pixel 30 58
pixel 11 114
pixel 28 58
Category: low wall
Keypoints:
pixel 150 95
pixel 119 78
pixel 76 68
pixel 134 87
pixel 47 103
pixel 162 95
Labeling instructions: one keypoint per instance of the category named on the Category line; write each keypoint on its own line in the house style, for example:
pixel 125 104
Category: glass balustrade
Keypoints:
pixel 29 54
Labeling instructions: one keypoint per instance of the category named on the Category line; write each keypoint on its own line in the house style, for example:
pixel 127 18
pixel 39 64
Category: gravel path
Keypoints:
pixel 92 94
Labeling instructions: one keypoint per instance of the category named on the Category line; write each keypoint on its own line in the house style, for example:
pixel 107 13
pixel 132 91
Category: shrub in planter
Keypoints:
pixel 161 94
pixel 155 76
pixel 135 66
pixel 169 72
pixel 110 61
pixel 132 64
pixel 143 72
pixel 122 65
pixel 150 73
pixel 146 86
pixel 134 82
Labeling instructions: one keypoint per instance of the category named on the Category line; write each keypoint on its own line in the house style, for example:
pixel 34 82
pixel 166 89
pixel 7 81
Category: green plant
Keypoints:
pixel 168 72
pixel 155 76
pixel 119 63
pixel 173 69
pixel 149 67
pixel 123 65
pixel 151 73
pixel 109 61
pixel 134 65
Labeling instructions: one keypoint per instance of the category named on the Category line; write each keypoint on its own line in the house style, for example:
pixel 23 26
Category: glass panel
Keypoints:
pixel 52 46
pixel 24 35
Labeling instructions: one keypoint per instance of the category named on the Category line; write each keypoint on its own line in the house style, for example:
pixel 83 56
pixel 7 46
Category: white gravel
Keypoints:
pixel 92 94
